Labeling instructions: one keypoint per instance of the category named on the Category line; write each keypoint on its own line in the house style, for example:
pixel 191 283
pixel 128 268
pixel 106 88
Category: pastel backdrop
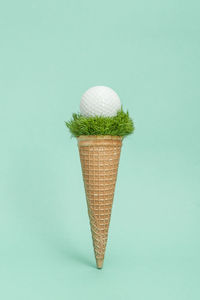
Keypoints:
pixel 50 53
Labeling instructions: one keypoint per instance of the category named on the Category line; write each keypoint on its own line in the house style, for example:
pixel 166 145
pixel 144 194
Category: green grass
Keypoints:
pixel 119 125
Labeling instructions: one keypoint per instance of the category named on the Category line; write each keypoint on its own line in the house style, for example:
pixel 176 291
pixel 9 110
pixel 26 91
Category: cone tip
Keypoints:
pixel 99 263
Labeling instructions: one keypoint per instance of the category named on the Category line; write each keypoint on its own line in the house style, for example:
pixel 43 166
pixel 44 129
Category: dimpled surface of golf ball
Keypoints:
pixel 100 101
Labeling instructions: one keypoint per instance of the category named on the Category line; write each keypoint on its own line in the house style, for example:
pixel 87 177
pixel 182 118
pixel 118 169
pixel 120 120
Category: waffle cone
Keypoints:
pixel 99 157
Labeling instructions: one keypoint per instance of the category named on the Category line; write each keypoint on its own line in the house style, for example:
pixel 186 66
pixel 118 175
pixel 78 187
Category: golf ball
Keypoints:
pixel 100 101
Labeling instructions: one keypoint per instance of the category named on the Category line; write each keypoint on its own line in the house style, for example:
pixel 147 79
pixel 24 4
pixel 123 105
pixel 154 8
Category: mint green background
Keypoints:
pixel 50 53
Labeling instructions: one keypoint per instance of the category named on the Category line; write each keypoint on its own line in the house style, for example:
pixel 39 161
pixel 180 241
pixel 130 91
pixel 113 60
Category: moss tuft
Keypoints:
pixel 119 125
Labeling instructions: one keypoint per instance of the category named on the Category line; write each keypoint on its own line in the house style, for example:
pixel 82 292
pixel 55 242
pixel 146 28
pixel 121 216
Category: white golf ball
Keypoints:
pixel 100 101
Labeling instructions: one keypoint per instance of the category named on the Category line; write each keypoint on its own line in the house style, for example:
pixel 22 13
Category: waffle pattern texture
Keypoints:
pixel 99 157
